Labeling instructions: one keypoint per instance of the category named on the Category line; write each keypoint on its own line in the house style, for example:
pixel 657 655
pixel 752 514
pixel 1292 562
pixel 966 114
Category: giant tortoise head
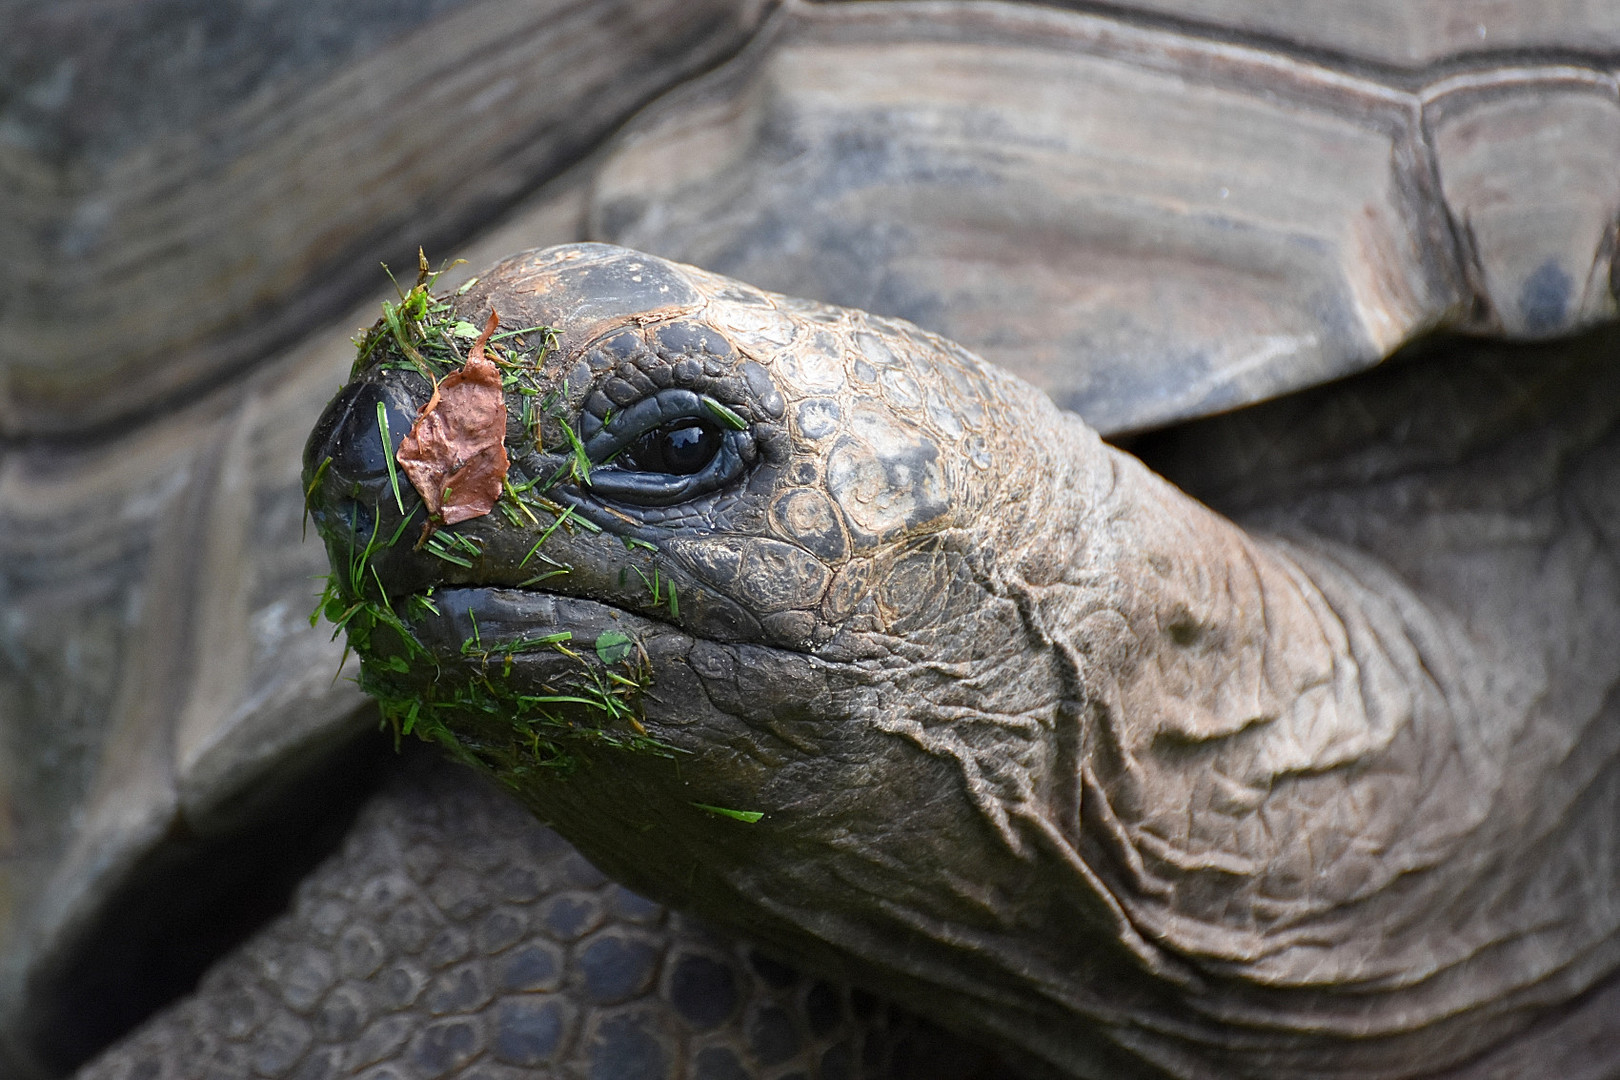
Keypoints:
pixel 813 623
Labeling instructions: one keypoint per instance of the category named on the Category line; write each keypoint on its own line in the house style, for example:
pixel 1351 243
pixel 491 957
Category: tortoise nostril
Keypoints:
pixel 350 433
pixel 344 519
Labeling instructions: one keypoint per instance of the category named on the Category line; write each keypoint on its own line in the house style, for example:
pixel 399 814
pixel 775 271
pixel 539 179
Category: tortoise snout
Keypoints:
pixel 346 474
pixel 348 439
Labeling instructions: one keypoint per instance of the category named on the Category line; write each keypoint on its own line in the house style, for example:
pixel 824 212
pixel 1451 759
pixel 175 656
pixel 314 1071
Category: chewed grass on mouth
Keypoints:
pixel 512 679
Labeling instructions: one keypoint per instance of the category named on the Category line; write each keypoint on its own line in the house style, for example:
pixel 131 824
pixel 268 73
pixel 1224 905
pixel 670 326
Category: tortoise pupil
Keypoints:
pixel 679 448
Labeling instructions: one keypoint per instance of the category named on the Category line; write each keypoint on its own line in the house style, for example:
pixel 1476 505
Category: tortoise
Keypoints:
pixel 1315 190
pixel 1020 734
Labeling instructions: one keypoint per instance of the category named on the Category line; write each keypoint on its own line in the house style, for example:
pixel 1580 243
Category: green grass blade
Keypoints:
pixel 388 454
pixel 748 816
pixel 725 415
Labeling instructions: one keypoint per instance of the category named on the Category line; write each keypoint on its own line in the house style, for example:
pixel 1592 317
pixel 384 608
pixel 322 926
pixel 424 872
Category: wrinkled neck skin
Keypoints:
pixel 1272 764
pixel 1048 749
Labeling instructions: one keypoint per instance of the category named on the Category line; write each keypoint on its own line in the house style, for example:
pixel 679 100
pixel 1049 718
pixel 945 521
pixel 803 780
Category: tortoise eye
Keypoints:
pixel 665 449
pixel 678 448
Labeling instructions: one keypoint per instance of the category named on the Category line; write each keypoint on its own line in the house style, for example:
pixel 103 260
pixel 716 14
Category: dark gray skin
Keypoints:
pixel 1045 748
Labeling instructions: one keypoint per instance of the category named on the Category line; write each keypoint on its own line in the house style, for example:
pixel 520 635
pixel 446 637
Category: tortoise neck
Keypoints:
pixel 1286 761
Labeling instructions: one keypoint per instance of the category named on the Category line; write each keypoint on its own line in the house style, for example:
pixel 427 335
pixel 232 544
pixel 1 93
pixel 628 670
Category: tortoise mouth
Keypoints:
pixel 480 624
pixel 515 678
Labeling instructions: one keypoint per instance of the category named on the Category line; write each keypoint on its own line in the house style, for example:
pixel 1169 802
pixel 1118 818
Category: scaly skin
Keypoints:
pixel 1044 747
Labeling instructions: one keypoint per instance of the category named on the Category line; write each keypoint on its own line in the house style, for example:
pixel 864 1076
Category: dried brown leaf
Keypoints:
pixel 455 455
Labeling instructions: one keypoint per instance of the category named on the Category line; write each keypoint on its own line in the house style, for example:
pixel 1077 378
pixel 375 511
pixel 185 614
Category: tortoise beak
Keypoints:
pixel 348 438
pixel 347 479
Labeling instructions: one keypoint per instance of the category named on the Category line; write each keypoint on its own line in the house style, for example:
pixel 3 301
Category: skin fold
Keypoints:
pixel 1041 746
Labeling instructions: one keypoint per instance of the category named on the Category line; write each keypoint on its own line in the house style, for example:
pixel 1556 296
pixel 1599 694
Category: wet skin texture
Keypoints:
pixel 1043 747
